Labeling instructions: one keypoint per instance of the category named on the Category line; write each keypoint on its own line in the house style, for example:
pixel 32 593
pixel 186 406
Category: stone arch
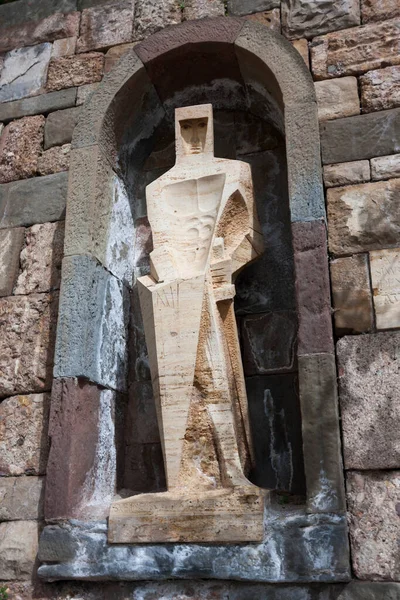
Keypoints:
pixel 91 335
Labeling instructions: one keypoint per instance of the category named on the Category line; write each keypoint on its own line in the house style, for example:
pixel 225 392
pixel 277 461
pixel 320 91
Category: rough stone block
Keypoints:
pixel 269 343
pixel 41 259
pixel 27 326
pixel 104 26
pixel 91 340
pixel 11 241
pixel 385 275
pixel 64 47
pixel 355 217
pixel 55 25
pixel 24 442
pixel 114 54
pixel 240 8
pixel 20 146
pixel 379 10
pixel 60 126
pixel 44 103
pixel 380 89
pixel 373 501
pixel 355 50
pixel 302 48
pixel 85 91
pixel 153 15
pixel 369 379
pixel 15 14
pixel 31 201
pixel 310 18
pixel 71 71
pixel 54 160
pixel 21 498
pixel 358 137
pixel 18 549
pixel 337 98
pixel 385 167
pixel 321 434
pixel 24 72
pixel 198 9
pixel 347 173
pixel 351 294
pixel 269 18
pixel 312 287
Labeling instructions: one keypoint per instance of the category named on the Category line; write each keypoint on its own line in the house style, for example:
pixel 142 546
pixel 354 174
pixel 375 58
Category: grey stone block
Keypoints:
pixel 92 324
pixel 22 11
pixel 359 137
pixel 248 7
pixel 309 18
pixel 24 72
pixel 37 105
pixel 31 201
pixel 21 498
pixel 11 241
pixel 297 548
pixel 60 126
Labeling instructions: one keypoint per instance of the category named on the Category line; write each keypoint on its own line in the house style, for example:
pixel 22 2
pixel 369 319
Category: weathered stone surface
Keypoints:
pixel 44 103
pixel 64 47
pixel 373 501
pixel 70 71
pixel 18 549
pixel 363 217
pixel 24 442
pixel 379 10
pixel 104 26
pixel 114 54
pixel 28 327
pixel 269 18
pixel 358 137
pixel 24 72
pixel 11 241
pixel 21 498
pixel 380 89
pixel 54 160
pixel 351 294
pixel 198 9
pixel 20 146
pixel 312 287
pixel 337 98
pixel 240 8
pixel 369 379
pixel 15 14
pixel 52 27
pixel 60 126
pixel 346 173
pixel 385 276
pixel 356 50
pixel 152 16
pixel 311 18
pixel 269 343
pixel 41 259
pixel 91 340
pixel 84 92
pixel 294 542
pixel 31 201
pixel 385 167
pixel 302 48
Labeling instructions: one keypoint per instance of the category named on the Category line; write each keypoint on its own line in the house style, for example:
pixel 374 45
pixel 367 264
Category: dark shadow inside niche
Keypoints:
pixel 248 126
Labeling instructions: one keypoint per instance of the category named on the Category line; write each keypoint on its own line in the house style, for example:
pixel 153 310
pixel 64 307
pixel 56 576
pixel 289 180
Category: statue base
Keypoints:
pixel 223 515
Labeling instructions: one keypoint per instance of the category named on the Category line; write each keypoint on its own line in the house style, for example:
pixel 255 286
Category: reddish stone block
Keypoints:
pixel 312 287
pixel 71 71
pixel 105 26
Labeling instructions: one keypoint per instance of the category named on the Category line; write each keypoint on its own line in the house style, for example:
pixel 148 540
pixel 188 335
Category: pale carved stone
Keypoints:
pixel 205 230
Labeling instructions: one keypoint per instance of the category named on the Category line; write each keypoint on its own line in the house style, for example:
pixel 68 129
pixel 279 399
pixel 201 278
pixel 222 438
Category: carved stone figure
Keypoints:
pixel 205 230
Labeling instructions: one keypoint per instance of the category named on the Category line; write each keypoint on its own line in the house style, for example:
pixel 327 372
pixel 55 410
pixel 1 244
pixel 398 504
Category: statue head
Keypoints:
pixel 194 130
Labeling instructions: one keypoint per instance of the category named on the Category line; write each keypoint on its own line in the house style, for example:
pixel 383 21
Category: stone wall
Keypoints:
pixel 53 54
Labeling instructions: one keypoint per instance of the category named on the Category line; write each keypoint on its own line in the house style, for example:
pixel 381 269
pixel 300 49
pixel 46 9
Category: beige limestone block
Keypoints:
pixel 385 275
pixel 363 217
pixel 356 50
pixel 54 160
pixel 351 294
pixel 27 334
pixel 41 259
pixel 64 47
pixel 380 89
pixel 379 10
pixel 20 146
pixel 337 98
pixel 106 25
pixel 302 48
pixel 114 54
pixel 18 549
pixel 373 499
pixel 23 439
pixel 71 71
pixel 385 167
pixel 269 18
pixel 357 171
pixel 21 498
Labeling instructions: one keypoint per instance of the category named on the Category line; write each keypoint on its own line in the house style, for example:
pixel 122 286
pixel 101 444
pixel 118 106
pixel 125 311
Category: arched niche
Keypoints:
pixel 241 68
